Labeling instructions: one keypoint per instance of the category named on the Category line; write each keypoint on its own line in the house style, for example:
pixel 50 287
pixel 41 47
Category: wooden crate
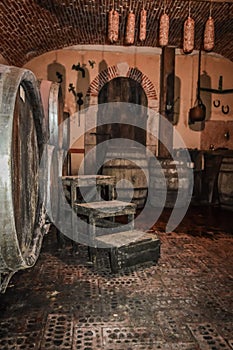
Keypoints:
pixel 146 248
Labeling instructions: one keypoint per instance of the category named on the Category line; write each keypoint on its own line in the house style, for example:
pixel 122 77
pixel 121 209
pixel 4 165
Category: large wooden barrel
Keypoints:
pixel 164 181
pixel 22 138
pixel 225 183
pixel 57 122
pixel 55 162
pixel 52 101
pixel 131 165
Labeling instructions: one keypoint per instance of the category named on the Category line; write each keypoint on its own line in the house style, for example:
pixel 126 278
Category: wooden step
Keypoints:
pixel 105 208
pixel 119 239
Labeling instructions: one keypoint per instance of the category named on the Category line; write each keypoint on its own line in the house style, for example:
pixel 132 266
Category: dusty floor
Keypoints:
pixel 184 302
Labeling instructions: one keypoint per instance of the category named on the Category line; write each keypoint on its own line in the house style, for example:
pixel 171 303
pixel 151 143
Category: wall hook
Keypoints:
pixel 216 103
pixel 59 77
pixel 79 68
pixel 227 135
pixel 225 109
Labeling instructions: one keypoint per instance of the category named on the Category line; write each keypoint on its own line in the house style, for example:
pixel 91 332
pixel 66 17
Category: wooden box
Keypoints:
pixel 145 249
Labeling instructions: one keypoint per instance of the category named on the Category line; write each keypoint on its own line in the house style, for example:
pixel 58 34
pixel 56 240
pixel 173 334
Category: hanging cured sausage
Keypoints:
pixel 113 26
pixel 130 28
pixel 189 33
pixel 142 34
pixel 209 34
pixel 163 30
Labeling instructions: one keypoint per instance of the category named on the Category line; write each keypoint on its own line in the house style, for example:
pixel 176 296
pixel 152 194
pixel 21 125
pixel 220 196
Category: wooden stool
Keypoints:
pixel 95 211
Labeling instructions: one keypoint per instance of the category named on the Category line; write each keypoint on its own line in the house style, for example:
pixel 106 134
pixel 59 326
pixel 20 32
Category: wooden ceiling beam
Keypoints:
pixel 214 1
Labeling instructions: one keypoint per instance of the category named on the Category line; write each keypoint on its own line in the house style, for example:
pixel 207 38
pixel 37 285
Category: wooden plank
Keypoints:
pixel 109 206
pixel 102 209
pixel 89 180
pixel 76 151
pixel 119 239
pixel 215 1
pixel 166 98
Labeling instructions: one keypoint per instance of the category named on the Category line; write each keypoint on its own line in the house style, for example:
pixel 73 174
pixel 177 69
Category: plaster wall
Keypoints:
pixel 3 60
pixel 147 60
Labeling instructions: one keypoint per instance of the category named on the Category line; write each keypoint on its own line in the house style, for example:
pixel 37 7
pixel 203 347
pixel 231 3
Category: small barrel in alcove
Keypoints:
pixel 225 183
pixel 169 177
pixel 22 138
pixel 131 165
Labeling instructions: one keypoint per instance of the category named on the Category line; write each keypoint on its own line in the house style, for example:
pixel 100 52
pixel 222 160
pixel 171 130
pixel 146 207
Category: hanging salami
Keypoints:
pixel 113 26
pixel 142 34
pixel 163 30
pixel 189 34
pixel 209 34
pixel 130 28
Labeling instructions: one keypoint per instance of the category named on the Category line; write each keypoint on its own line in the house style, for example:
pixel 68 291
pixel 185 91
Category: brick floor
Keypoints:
pixel 183 302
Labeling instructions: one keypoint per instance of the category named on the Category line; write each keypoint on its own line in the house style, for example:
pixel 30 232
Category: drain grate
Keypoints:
pixel 58 332
pixel 176 286
pixel 69 274
pixel 207 337
pixel 161 302
pixel 87 338
pixel 128 338
pixel 225 329
pixel 172 328
pixel 190 261
pixel 24 324
pixel 132 347
pixel 20 342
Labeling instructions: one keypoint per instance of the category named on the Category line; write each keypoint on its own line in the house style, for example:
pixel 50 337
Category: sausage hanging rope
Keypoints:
pixel 130 28
pixel 209 32
pixel 163 30
pixel 113 25
pixel 142 34
pixel 189 33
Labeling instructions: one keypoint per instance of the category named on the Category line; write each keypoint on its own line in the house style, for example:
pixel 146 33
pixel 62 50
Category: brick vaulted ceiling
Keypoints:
pixel 30 28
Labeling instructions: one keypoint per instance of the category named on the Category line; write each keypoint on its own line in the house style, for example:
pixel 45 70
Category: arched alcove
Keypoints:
pixel 121 83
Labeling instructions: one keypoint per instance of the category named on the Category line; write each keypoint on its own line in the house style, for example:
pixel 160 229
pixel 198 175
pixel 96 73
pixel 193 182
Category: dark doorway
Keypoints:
pixel 116 121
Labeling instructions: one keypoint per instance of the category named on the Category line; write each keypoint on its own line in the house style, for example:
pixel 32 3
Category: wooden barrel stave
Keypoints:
pixel 55 164
pixel 164 180
pixel 21 213
pixel 56 120
pixel 225 183
pixel 130 165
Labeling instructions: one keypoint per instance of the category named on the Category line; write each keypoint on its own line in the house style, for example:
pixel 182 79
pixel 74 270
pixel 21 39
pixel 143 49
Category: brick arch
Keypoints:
pixel 116 71
pixel 120 70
